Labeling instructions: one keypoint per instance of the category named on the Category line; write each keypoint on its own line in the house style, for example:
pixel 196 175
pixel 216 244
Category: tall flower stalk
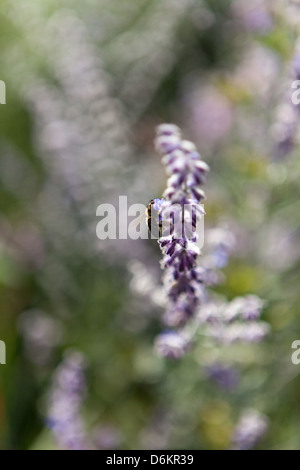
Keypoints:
pixel 66 398
pixel 179 215
pixel 179 212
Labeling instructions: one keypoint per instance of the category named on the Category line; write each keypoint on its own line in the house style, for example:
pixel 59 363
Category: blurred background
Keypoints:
pixel 86 85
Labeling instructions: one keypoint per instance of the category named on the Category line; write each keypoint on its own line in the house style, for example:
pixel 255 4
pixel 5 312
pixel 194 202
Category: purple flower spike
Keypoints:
pixel 66 398
pixel 180 212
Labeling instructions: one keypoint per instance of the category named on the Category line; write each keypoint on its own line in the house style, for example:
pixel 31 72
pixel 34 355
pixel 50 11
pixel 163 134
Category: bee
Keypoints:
pixel 149 219
pixel 154 223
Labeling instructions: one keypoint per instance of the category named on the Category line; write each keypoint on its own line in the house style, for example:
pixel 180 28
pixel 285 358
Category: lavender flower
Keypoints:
pixel 224 376
pixel 240 332
pixel 180 213
pixel 65 401
pixel 221 243
pixel 296 66
pixel 249 430
pixel 255 16
pixel 184 281
pixel 172 345
pixel 247 308
pixel 285 129
pixel 235 321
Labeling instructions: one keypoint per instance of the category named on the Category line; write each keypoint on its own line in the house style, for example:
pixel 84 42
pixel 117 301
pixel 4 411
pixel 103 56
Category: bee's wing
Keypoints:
pixel 139 220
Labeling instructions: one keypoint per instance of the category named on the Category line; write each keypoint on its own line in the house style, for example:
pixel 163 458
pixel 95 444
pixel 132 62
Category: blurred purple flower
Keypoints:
pixel 224 376
pixel 171 344
pixel 249 430
pixel 220 244
pixel 209 114
pixel 235 321
pixel 258 20
pixel 254 15
pixel 296 66
pixel 246 308
pixel 66 397
pixel 286 126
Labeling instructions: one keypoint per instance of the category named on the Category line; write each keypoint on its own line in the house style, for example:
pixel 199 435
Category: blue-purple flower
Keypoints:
pixel 68 390
pixel 180 213
pixel 235 321
pixel 185 282
pixel 250 429
pixel 224 376
pixel 172 344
